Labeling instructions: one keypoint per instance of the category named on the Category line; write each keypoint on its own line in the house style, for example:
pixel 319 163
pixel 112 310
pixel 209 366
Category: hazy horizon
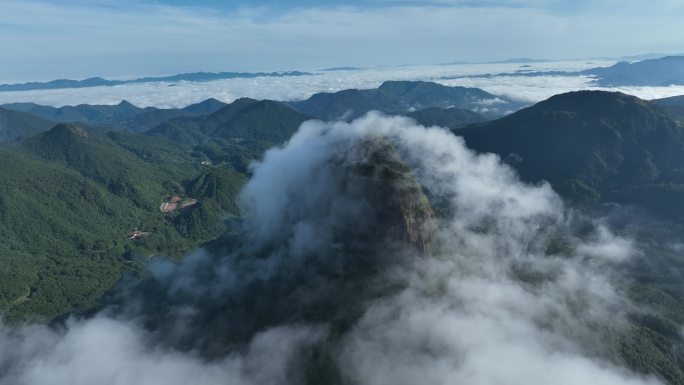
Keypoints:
pixel 132 38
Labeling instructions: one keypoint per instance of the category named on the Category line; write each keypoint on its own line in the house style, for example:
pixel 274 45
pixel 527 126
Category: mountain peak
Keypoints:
pixel 126 103
pixel 205 107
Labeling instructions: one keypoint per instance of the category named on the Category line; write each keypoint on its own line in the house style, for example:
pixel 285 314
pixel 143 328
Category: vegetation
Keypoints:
pixel 69 198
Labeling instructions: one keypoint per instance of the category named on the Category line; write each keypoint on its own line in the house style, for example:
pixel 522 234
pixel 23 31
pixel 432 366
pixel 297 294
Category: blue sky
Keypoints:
pixel 46 39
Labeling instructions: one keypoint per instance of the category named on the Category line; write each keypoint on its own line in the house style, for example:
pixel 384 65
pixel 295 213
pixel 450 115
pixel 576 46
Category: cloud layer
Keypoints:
pixel 181 94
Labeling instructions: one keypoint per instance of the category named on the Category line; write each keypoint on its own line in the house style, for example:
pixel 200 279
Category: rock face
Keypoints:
pixel 404 212
pixel 65 133
pixel 74 130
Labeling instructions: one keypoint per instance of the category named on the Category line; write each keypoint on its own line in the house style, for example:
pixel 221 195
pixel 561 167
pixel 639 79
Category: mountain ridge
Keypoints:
pixel 101 82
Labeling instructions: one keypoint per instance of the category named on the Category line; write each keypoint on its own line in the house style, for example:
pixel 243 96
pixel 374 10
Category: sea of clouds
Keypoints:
pixel 180 94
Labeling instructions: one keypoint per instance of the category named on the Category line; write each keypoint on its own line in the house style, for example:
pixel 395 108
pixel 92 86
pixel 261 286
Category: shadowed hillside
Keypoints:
pixel 593 146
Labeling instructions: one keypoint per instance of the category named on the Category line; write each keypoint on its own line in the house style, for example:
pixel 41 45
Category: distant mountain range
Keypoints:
pixel 98 81
pixel 664 71
pixel 654 71
pixel 660 72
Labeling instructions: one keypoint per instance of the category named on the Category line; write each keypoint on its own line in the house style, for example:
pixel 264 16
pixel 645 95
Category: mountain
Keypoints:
pixel 71 198
pixel 79 209
pixel 99 82
pixel 400 97
pixel 246 121
pixel 206 107
pixel 60 83
pixel 594 146
pixel 92 207
pixel 663 71
pixel 14 124
pixel 123 116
